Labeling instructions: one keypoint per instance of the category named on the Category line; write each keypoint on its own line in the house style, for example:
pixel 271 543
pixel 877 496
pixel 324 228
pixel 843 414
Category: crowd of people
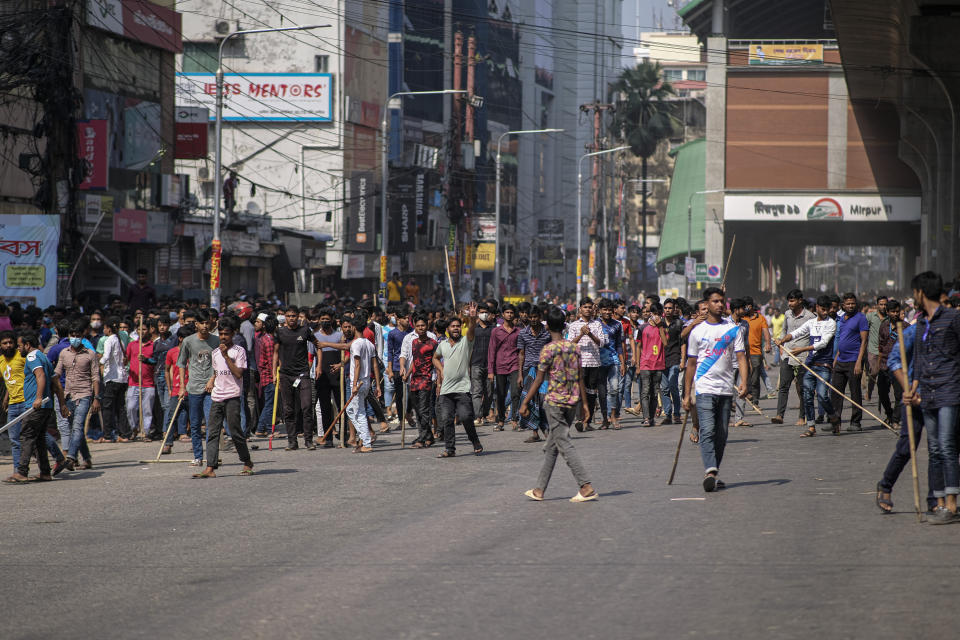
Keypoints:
pixel 149 370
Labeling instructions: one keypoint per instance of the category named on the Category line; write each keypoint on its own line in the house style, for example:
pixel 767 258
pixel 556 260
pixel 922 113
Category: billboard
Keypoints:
pixel 261 97
pixel 361 212
pixel 401 204
pixel 137 20
pixel 93 147
pixel 28 259
pixel 785 54
pixel 191 130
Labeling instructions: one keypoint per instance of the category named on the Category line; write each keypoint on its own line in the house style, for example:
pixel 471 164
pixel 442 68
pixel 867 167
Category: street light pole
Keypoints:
pixel 579 213
pixel 217 178
pixel 496 242
pixel 385 176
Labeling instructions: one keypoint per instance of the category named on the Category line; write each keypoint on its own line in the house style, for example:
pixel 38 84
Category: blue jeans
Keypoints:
pixel 266 414
pixel 626 387
pixel 670 391
pixel 164 399
pixel 388 391
pixel 812 385
pixel 942 447
pixel 613 391
pixel 183 411
pixel 13 411
pixel 199 407
pixel 713 412
pixel 79 409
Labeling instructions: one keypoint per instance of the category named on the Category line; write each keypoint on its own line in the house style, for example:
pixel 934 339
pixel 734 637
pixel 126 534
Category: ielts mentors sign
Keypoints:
pixel 261 97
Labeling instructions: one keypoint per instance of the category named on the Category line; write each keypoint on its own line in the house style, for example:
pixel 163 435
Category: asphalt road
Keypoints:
pixel 398 544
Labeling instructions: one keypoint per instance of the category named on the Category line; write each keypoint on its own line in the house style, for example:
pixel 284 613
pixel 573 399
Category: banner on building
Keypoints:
pixel 93 147
pixel 353 267
pixel 191 131
pixel 261 97
pixel 401 205
pixel 785 54
pixel 550 238
pixel 484 257
pixel 484 227
pixel 28 259
pixel 421 205
pixel 144 22
pixel 138 226
pixel 361 212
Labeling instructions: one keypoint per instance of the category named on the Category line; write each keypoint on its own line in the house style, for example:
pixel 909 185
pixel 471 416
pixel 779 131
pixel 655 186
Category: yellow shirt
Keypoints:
pixel 12 370
pixel 394 293
pixel 778 326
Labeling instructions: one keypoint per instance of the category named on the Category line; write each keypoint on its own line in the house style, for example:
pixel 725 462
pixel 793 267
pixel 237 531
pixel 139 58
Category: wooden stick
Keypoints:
pixel 910 433
pixel 140 376
pixel 446 262
pixel 755 407
pixel 342 405
pixel 676 456
pixel 342 409
pixel 166 434
pixel 726 266
pixel 403 413
pixel 276 394
pixel 848 398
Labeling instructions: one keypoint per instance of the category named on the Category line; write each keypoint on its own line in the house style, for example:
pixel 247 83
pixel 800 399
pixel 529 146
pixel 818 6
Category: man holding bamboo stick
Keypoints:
pixel 937 390
pixel 851 348
pixel 819 332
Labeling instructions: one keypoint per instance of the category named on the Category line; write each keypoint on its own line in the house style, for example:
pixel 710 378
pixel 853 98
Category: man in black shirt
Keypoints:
pixel 294 380
pixel 670 382
pixel 141 295
pixel 481 389
pixel 328 376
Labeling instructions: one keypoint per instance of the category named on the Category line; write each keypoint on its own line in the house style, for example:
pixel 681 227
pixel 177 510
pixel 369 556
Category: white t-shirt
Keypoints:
pixel 363 349
pixel 715 346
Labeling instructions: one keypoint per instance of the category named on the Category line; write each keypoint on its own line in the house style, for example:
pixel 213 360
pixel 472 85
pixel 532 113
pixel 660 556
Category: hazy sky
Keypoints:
pixel 640 12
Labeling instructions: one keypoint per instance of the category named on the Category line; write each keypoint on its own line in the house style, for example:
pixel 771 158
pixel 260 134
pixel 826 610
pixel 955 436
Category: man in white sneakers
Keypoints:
pixel 711 349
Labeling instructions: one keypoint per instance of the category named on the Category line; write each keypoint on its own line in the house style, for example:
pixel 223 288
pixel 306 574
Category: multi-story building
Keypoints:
pixel 806 179
pixel 88 105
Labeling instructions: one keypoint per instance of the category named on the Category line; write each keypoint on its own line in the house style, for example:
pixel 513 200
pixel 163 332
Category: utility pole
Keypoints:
pixel 597 108
pixel 454 187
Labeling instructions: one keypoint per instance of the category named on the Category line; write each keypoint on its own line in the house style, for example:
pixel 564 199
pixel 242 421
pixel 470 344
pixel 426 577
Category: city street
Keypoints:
pixel 398 544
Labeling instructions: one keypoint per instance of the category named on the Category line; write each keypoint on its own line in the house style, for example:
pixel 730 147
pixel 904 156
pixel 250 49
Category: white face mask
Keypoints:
pixel 483 316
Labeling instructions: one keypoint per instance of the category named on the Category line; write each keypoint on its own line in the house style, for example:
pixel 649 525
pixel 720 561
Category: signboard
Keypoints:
pixel 136 225
pixel 28 259
pixel 551 255
pixel 138 20
pixel 261 97
pixel 191 131
pixel 483 257
pixel 352 267
pixel 690 269
pixel 484 227
pixel 708 273
pixel 550 236
pixel 401 204
pixel 868 207
pixel 361 232
pixel 785 54
pixel 93 147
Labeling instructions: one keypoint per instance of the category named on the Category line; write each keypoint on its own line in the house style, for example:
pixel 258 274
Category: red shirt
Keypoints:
pixel 174 379
pixel 421 370
pixel 264 350
pixel 133 356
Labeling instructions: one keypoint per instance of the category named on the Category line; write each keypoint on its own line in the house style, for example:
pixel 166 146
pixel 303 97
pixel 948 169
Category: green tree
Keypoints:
pixel 643 119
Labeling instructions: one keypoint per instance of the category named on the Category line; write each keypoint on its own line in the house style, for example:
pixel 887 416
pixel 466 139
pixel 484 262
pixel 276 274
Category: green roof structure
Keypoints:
pixel 689 176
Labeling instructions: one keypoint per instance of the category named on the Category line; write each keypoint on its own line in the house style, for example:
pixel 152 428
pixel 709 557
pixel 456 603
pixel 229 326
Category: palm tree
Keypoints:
pixel 643 119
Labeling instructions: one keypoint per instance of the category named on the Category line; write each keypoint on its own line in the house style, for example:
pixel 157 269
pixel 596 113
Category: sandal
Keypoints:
pixel 533 496
pixel 417 445
pixel 247 471
pixel 533 438
pixel 478 451
pixel 694 436
pixel 204 475
pixel 16 480
pixel 447 454
pixel 884 504
pixel 809 433
pixel 743 423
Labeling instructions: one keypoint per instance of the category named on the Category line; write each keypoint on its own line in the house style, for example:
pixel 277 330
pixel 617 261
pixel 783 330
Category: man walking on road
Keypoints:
pixel 875 318
pixel 294 381
pixel 852 330
pixel 711 349
pixel 560 366
pixel 588 334
pixel 503 365
pixel 759 339
pixel 195 362
pixel 78 366
pixel 362 361
pixel 796 316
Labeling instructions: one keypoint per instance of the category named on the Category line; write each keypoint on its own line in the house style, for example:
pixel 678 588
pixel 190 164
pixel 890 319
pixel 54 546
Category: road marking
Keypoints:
pixel 681 499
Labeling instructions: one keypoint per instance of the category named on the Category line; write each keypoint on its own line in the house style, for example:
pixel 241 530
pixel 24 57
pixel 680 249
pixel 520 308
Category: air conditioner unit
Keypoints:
pixel 223 28
pixel 203 173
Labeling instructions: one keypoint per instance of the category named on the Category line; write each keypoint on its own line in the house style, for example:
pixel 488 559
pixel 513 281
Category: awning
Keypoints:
pixel 689 176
